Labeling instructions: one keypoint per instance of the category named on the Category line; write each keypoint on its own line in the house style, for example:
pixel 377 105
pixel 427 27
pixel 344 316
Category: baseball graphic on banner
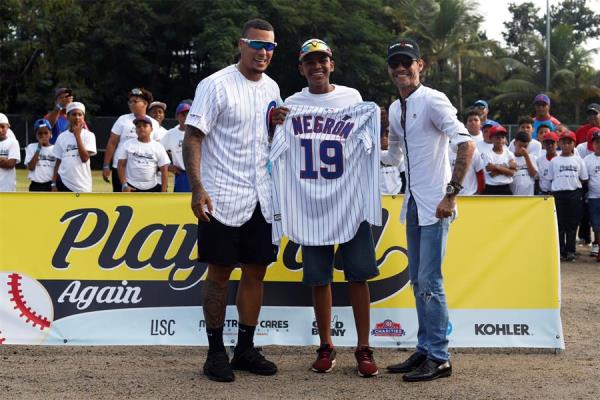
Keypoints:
pixel 26 310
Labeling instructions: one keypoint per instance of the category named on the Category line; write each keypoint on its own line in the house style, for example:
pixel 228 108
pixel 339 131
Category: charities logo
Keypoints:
pixel 502 330
pixel 388 328
pixel 337 327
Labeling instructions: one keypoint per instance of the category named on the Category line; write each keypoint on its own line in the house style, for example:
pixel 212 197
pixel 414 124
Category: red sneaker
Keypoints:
pixel 366 363
pixel 325 359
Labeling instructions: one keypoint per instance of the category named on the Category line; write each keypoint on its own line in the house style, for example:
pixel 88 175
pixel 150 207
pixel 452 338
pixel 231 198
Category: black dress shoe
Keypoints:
pixel 411 363
pixel 429 371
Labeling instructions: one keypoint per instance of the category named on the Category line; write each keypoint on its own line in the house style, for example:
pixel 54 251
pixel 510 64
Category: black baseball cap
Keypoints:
pixel 593 107
pixel 407 47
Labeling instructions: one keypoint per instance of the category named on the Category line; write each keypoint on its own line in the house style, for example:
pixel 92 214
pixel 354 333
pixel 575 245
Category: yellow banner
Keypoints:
pixel 501 254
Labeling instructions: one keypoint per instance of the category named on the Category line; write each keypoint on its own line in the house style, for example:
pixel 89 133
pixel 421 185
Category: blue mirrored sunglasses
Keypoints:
pixel 260 44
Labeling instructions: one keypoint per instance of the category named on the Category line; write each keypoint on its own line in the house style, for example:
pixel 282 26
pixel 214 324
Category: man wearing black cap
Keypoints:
pixel 58 116
pixel 422 122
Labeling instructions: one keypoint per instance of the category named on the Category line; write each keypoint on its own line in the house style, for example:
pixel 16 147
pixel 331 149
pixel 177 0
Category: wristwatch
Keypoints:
pixel 453 188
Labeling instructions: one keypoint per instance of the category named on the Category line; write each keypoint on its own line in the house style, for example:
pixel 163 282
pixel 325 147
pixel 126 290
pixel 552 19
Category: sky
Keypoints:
pixel 496 13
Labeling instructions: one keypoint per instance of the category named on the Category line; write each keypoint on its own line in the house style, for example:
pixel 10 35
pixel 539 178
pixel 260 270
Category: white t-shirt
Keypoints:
pixel 339 97
pixel 233 113
pixel 470 182
pixel 491 157
pixel 484 147
pixel 75 174
pixel 534 147
pixel 143 161
pixel 125 128
pixel 582 150
pixel 523 184
pixel 477 138
pixel 592 164
pixel 45 166
pixel 173 142
pixel 9 149
pixel 159 133
pixel 567 173
pixel 389 179
pixel 10 134
pixel 543 167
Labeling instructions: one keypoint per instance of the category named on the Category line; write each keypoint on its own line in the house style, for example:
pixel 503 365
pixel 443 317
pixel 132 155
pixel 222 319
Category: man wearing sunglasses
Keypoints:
pixel 484 109
pixel 422 122
pixel 316 64
pixel 225 153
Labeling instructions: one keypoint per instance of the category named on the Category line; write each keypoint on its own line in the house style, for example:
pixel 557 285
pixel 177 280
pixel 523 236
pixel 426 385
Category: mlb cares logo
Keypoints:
pixel 388 328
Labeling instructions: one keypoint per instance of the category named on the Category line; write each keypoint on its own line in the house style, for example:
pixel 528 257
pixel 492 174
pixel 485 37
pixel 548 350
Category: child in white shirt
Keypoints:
pixel 140 160
pixel 499 164
pixel 40 159
pixel 523 183
pixel 567 171
pixel 10 156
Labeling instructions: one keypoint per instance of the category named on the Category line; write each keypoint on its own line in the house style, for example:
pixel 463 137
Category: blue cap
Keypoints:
pixel 481 103
pixel 181 107
pixel 489 123
pixel 41 123
pixel 541 98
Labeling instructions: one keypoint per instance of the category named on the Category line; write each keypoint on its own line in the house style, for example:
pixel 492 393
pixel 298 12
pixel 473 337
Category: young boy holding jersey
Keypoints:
pixel 10 155
pixel 40 159
pixel 140 160
pixel 567 173
pixel 499 164
pixel 592 163
pixel 523 183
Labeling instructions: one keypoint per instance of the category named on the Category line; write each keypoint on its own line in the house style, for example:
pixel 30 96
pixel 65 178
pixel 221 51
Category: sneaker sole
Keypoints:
pixel 318 371
pixel 255 372
pixel 368 375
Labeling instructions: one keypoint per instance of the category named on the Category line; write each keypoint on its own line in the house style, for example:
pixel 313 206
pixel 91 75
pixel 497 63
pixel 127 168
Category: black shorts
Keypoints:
pixel 40 187
pixel 60 186
pixel 219 244
pixel 156 188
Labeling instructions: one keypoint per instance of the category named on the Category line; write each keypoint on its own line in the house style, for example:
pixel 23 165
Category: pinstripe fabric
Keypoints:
pixel 232 112
pixel 326 181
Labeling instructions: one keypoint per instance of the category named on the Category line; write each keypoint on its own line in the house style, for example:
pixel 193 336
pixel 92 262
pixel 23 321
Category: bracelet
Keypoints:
pixel 52 184
pixel 105 166
pixel 124 186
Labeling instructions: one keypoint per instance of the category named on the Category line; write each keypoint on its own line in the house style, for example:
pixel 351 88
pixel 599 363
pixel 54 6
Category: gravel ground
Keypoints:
pixel 174 372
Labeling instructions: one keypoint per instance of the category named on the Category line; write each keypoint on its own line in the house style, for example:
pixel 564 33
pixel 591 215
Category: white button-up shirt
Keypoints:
pixel 430 123
pixel 233 113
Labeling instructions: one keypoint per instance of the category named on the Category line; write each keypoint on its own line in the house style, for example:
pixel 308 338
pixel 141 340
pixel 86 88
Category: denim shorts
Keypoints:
pixel 357 259
pixel 594 205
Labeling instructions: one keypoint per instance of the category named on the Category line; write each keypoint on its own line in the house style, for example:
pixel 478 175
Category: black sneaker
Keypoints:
pixel 570 257
pixel 428 371
pixel 251 360
pixel 217 367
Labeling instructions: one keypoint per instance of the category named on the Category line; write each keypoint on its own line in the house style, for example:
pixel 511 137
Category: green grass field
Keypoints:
pixel 98 183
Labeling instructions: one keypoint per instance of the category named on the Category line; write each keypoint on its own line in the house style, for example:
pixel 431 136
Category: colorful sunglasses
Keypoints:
pixel 260 44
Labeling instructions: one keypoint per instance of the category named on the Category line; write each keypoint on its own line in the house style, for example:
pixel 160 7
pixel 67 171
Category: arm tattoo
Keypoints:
pixel 214 304
pixel 464 156
pixel 192 145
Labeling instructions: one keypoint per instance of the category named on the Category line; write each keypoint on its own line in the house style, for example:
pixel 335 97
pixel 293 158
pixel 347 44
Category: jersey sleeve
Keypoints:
pixel 206 106
pixel 279 143
pixel 443 115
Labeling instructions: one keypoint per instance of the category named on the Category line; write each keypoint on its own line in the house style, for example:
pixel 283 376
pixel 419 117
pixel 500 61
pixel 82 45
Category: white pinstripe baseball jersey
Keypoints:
pixel 326 173
pixel 233 113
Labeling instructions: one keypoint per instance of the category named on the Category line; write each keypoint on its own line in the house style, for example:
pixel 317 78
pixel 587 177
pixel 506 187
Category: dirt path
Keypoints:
pixel 174 372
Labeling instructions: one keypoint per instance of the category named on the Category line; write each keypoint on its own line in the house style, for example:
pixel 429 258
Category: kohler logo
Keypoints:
pixel 502 329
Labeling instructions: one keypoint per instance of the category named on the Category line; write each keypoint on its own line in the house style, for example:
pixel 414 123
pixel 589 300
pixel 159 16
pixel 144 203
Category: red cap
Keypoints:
pixel 568 135
pixel 497 130
pixel 593 134
pixel 550 136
